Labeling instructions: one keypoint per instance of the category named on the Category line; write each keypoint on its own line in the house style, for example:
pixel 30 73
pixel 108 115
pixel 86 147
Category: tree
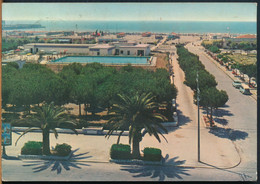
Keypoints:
pixel 212 98
pixel 136 112
pixel 47 117
pixel 36 39
pixel 214 49
pixel 251 71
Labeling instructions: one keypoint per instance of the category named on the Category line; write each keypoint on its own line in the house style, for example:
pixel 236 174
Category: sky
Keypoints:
pixel 131 11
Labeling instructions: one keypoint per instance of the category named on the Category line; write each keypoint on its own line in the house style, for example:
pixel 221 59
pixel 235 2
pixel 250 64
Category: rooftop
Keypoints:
pixel 247 36
pixel 102 46
pixel 135 46
pixel 57 44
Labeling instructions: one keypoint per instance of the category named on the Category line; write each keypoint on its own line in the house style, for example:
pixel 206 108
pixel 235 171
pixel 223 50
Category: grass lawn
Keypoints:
pixel 243 59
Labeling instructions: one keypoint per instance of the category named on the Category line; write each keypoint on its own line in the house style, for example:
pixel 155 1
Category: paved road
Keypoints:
pixel 91 171
pixel 160 43
pixel 240 114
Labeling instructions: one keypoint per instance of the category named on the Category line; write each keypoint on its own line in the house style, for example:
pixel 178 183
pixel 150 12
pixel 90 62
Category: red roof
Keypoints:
pixel 174 33
pixel 247 36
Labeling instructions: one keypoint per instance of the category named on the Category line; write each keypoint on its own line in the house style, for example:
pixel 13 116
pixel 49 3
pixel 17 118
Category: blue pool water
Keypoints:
pixel 114 60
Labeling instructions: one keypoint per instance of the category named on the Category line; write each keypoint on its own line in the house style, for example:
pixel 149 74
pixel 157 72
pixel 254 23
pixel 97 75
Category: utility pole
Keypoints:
pixel 198 99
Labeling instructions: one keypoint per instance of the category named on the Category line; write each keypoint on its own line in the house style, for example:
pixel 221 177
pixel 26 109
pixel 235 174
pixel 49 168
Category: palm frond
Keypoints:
pixel 25 132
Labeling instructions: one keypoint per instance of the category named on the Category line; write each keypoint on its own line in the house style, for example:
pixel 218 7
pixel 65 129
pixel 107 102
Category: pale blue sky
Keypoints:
pixel 131 11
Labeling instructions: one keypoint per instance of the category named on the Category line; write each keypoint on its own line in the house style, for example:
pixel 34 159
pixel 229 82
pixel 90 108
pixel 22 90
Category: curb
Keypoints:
pixel 135 162
pixel 44 157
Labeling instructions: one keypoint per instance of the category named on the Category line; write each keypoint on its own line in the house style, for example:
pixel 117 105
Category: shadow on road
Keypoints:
pixel 58 165
pixel 218 115
pixel 228 133
pixel 182 120
pixel 221 121
pixel 170 168
pixel 222 112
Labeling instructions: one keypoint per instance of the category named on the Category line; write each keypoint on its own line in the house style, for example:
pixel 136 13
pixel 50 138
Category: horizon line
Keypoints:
pixel 131 20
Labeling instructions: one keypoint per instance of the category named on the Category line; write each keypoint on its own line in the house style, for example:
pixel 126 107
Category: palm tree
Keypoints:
pixel 136 112
pixel 47 117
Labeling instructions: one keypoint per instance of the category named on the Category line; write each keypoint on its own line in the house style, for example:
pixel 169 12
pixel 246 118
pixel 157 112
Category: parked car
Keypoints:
pixel 244 89
pixel 237 84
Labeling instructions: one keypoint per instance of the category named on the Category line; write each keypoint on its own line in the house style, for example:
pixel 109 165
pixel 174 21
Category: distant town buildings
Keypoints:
pixel 146 34
pixel 173 36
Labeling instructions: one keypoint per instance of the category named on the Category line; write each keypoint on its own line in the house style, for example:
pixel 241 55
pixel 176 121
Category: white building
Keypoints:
pixel 102 50
pixel 50 47
pixel 135 50
pixel 114 48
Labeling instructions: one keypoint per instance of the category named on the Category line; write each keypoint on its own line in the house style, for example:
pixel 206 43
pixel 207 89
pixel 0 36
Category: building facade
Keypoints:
pixel 114 48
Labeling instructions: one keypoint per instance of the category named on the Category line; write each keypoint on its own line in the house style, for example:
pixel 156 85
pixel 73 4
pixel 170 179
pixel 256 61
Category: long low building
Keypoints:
pixel 114 48
pixel 51 47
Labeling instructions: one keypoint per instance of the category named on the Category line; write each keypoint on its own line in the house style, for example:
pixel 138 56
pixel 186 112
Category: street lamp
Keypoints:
pixel 198 99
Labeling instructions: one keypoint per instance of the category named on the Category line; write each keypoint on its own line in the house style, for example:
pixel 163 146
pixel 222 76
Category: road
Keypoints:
pixel 240 114
pixel 92 171
pixel 160 43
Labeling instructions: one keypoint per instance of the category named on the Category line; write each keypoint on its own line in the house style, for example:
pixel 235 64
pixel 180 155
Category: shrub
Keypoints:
pixel 32 148
pixel 62 149
pixel 120 151
pixel 152 154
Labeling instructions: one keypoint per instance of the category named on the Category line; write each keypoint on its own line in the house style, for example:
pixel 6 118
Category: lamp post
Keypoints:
pixel 198 99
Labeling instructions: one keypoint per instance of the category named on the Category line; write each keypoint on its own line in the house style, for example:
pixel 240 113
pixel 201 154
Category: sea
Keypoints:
pixel 201 27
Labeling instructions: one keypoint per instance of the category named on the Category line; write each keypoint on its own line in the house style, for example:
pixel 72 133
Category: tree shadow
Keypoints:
pixel 222 112
pixel 228 133
pixel 182 120
pixel 58 165
pixel 221 121
pixel 170 168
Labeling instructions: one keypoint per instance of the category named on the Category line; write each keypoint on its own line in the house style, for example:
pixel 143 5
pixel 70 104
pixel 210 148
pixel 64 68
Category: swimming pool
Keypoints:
pixel 108 60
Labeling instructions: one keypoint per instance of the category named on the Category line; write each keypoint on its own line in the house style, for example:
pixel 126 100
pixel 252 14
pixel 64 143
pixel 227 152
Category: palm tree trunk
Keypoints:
pixel 29 109
pixel 211 114
pixel 46 142
pixel 135 145
pixel 79 109
pixel 118 139
pixel 86 109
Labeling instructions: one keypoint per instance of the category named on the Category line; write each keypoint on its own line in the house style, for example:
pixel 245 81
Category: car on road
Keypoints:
pixel 244 89
pixel 237 84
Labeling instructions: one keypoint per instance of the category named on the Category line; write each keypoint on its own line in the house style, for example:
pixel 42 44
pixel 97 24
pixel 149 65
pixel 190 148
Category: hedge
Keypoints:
pixel 152 154
pixel 190 63
pixel 120 151
pixel 32 148
pixel 62 149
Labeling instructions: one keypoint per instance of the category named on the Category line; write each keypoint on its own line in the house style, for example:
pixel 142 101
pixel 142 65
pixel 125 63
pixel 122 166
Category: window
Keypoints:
pixel 140 52
pixel 121 52
pixel 128 52
pixel 98 53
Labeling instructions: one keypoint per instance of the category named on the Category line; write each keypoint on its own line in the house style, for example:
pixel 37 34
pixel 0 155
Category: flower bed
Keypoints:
pixel 207 122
